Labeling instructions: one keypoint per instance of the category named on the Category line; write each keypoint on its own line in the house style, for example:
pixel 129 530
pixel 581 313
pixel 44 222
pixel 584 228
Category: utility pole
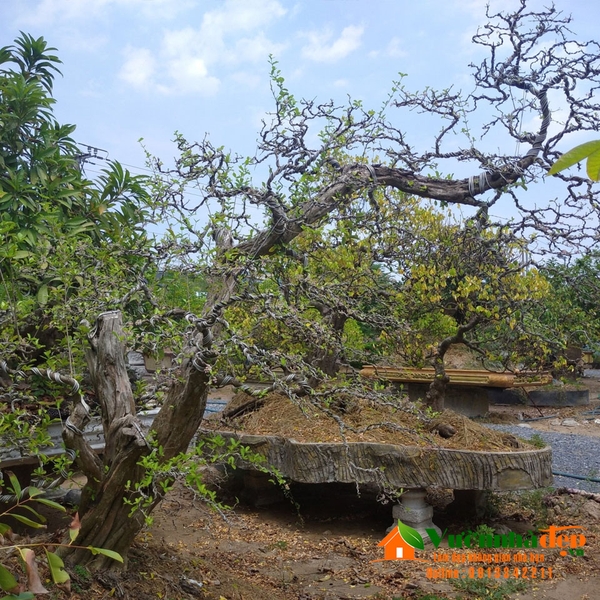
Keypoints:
pixel 90 154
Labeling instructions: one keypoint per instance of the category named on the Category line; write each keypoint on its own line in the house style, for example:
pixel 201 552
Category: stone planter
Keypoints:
pixel 153 364
pixel 401 466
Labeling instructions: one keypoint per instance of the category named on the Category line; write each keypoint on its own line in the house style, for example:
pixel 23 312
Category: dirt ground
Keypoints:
pixel 327 552
pixel 327 548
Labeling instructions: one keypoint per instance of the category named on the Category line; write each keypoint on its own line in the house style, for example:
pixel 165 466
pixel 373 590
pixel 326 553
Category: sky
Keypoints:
pixel 146 68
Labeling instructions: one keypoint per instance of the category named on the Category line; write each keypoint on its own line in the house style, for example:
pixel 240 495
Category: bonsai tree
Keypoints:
pixel 306 185
pixel 301 178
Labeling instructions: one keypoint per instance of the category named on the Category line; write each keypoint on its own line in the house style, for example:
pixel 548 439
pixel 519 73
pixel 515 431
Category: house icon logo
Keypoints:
pixel 400 543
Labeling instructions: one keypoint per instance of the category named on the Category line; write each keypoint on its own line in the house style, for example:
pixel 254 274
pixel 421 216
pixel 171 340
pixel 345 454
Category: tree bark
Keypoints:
pixel 327 357
pixel 105 517
pixel 437 390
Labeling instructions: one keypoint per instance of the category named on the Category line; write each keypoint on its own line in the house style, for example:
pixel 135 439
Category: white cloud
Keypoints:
pixel 189 58
pixel 394 49
pixel 139 67
pixel 241 15
pixel 48 12
pixel 320 48
pixel 341 83
pixel 181 60
pixel 256 49
pixel 190 75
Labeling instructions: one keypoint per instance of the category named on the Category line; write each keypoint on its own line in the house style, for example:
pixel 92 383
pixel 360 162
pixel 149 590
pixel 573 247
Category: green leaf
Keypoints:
pixel 4 528
pixel 34 512
pixel 57 571
pixel 21 254
pixel 21 596
pixel 42 295
pixel 7 579
pixel 51 504
pixel 110 553
pixel 33 491
pixel 411 536
pixel 577 154
pixel 593 166
pixel 27 521
pixel 14 482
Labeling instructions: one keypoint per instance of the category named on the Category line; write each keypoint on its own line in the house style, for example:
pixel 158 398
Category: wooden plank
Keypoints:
pixel 458 376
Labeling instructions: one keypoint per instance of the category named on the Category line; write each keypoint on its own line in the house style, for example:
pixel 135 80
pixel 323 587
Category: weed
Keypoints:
pixel 82 572
pixel 484 530
pixel 486 588
pixel 537 441
pixel 532 503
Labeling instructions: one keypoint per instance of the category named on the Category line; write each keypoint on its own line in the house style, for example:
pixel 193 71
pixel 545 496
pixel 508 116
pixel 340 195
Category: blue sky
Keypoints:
pixel 146 68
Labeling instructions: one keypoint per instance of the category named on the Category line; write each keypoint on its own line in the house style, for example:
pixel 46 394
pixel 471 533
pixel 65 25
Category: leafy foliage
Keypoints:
pixel 589 151
pixel 8 583
pixel 65 242
pixel 572 309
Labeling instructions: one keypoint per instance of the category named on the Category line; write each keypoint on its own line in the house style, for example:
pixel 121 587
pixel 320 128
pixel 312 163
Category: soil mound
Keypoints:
pixel 354 420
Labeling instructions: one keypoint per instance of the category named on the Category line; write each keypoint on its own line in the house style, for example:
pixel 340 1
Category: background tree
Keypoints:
pixel 69 247
pixel 572 308
pixel 471 287
pixel 56 225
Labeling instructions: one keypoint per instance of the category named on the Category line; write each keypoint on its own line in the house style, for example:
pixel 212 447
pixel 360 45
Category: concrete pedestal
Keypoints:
pixel 415 512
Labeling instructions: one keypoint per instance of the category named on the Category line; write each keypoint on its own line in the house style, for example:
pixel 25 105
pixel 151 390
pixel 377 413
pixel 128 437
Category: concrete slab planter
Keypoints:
pixel 409 468
pixel 164 361
pixel 402 466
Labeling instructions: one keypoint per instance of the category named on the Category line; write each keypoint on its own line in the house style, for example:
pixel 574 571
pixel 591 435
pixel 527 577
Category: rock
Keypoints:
pixel 524 426
pixel 135 359
pixel 72 498
pixel 511 440
pixel 570 423
pixel 446 431
pixel 592 509
pixel 555 422
pixel 502 529
pixel 191 586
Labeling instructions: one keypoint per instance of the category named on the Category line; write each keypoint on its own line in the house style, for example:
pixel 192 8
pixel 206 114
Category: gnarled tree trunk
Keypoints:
pixel 106 519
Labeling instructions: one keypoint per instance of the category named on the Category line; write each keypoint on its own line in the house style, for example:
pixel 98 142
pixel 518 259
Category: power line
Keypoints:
pixel 90 154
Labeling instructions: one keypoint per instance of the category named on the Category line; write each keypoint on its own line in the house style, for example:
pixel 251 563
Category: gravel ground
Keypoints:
pixel 572 454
